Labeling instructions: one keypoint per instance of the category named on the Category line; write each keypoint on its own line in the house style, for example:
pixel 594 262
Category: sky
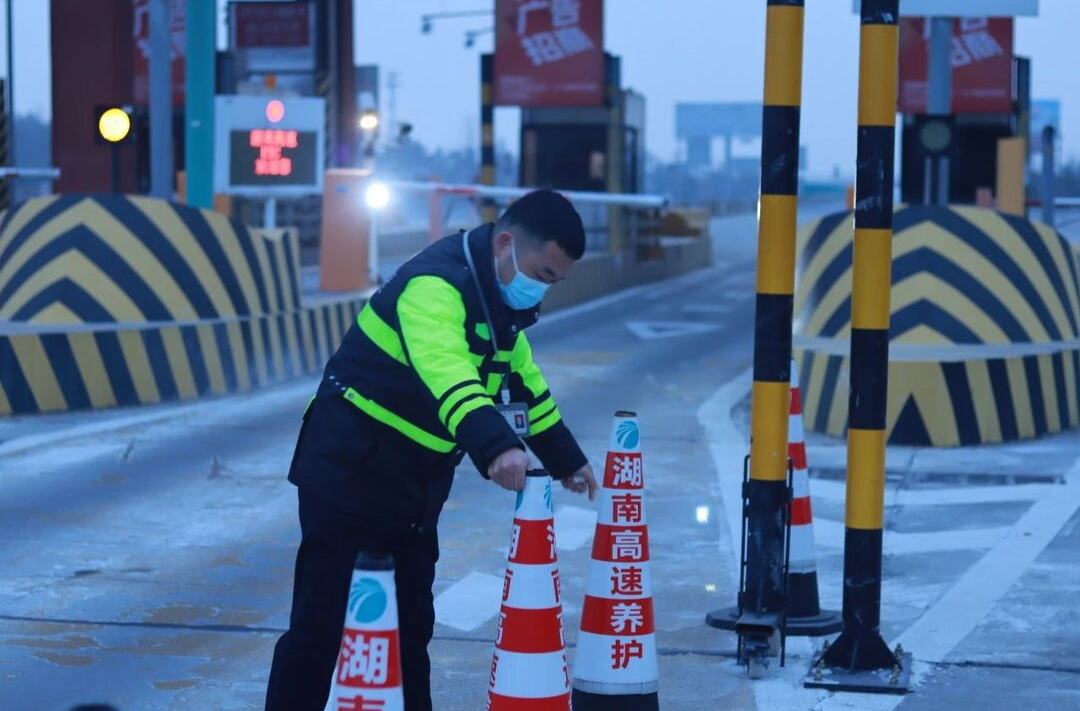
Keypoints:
pixel 672 51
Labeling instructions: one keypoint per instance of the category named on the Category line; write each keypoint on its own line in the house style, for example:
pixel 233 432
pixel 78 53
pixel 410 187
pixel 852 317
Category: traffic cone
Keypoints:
pixel 804 614
pixel 368 671
pixel 615 662
pixel 529 671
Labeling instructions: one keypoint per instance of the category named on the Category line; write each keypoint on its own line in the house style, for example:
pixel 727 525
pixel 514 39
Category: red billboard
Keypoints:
pixel 549 52
pixel 982 60
pixel 177 49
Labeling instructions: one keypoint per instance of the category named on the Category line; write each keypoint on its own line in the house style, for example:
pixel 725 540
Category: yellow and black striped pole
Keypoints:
pixel 860 651
pixel 767 490
pixel 487 133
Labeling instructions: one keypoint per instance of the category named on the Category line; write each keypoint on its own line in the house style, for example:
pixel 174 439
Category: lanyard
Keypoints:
pixel 505 389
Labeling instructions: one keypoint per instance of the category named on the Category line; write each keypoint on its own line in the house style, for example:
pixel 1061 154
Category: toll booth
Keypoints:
pixel 600 149
pixel 947 158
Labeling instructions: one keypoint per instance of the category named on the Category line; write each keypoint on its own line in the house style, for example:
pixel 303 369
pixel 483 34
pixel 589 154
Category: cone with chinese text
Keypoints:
pixel 529 671
pixel 615 662
pixel 368 670
pixel 804 614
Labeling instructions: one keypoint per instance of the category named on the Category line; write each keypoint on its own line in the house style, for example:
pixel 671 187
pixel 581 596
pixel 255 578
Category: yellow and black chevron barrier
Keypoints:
pixel 984 335
pixel 118 258
pixel 113 300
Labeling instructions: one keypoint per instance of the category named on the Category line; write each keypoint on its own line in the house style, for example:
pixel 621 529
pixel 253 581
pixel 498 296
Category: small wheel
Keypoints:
pixel 756 667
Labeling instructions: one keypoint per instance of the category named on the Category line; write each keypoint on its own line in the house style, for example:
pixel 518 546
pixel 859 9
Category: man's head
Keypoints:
pixel 542 233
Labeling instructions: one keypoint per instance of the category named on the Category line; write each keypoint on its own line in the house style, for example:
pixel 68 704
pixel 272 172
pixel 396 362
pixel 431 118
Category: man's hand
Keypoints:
pixel 508 469
pixel 582 480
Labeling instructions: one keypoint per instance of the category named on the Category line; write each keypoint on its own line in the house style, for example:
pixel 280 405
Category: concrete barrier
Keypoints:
pixel 984 333
pixel 118 300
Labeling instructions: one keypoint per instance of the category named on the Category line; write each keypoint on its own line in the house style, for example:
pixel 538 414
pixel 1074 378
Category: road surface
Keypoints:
pixel 147 555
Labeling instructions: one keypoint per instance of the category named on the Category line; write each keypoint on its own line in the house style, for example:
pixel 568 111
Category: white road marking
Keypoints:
pixel 712 309
pixel 957 613
pixel 835 490
pixel 574 527
pixel 728 446
pixel 830 534
pixel 470 602
pixel 651 330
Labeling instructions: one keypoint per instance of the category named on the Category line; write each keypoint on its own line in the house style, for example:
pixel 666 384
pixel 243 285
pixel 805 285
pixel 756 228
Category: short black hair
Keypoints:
pixel 546 216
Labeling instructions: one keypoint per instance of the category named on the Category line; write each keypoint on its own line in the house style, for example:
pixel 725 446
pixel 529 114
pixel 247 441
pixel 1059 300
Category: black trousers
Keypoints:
pixel 305 656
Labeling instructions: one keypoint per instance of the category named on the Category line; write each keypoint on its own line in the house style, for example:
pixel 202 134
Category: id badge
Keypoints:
pixel 517 416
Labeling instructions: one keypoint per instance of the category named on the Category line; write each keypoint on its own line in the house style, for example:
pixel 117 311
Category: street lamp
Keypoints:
pixel 471 35
pixel 369 121
pixel 427 22
pixel 377 196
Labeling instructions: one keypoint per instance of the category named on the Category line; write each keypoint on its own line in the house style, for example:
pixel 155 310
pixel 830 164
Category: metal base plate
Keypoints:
pixel 825 622
pixel 874 681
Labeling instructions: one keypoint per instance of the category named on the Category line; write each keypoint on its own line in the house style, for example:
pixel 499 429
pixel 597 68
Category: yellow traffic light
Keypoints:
pixel 114 125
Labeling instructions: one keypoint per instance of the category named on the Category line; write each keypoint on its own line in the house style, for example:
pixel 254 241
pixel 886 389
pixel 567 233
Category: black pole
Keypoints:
pixel 860 660
pixel 115 168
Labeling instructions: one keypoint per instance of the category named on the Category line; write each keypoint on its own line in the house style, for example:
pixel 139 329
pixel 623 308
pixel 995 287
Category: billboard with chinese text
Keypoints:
pixel 982 61
pixel 549 53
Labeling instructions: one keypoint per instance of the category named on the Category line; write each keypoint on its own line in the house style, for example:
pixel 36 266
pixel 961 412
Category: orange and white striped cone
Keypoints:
pixel 804 614
pixel 615 662
pixel 368 671
pixel 529 671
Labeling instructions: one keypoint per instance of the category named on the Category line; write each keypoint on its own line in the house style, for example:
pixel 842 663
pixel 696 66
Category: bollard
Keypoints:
pixel 859 659
pixel 760 605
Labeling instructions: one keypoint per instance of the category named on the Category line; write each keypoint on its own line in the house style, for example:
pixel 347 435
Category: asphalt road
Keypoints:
pixel 147 555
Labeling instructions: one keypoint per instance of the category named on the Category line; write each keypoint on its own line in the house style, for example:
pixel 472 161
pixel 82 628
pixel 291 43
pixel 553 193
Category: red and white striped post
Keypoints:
pixel 615 662
pixel 529 671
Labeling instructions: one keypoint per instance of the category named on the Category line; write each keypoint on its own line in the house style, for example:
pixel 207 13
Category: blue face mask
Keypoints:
pixel 523 292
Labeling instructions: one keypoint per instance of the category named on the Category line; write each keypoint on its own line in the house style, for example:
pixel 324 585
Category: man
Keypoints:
pixel 437 366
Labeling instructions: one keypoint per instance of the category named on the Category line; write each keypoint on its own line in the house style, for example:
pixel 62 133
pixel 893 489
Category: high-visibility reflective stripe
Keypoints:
pixel 545 423
pixel 474 402
pixel 381 334
pixel 456 395
pixel 541 410
pixel 380 413
pixel 494 383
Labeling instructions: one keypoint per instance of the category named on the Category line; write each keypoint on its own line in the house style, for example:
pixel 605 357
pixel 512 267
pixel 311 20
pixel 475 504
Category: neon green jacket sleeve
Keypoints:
pixel 549 438
pixel 431 316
